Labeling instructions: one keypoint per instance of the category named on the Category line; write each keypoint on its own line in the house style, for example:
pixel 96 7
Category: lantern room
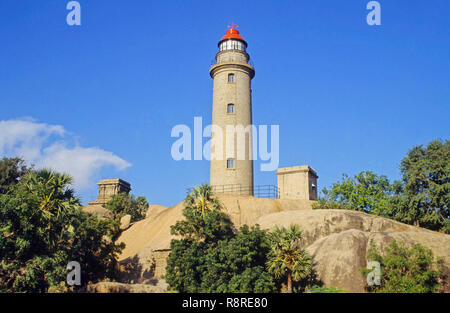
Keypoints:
pixel 232 41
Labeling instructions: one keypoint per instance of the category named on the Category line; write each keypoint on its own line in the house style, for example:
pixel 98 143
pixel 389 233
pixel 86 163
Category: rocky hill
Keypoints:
pixel 337 239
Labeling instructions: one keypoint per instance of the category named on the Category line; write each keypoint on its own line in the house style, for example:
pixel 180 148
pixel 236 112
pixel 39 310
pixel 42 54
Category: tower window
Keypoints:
pixel 230 108
pixel 231 78
pixel 230 163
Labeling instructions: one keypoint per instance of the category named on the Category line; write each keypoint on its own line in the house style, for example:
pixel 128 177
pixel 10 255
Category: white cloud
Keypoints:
pixel 48 146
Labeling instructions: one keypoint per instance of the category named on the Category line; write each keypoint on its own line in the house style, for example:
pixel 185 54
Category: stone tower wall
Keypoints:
pixel 239 94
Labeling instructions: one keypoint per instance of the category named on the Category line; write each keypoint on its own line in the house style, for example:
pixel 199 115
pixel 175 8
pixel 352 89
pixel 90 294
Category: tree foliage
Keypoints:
pixel 42 229
pixel 286 259
pixel 238 264
pixel 123 204
pixel 11 170
pixel 366 192
pixel 406 270
pixel 203 196
pixel 421 198
pixel 426 191
pixel 210 257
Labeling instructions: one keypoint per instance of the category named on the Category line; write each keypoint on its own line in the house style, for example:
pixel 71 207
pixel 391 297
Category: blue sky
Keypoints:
pixel 104 96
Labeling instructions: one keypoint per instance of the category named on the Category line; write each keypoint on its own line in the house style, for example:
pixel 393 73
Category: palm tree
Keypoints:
pixel 204 195
pixel 286 260
pixel 52 190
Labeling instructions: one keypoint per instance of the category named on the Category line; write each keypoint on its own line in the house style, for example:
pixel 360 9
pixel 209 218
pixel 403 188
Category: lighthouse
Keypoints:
pixel 231 149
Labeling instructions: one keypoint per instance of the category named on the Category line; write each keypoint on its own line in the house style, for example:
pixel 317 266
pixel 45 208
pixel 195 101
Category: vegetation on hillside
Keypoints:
pixel 42 229
pixel 421 198
pixel 211 256
pixel 123 204
pixel 405 270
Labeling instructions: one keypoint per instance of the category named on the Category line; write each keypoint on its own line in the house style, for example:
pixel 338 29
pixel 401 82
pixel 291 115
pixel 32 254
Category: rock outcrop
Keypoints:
pixel 154 231
pixel 155 209
pixel 337 239
pixel 125 222
pixel 97 209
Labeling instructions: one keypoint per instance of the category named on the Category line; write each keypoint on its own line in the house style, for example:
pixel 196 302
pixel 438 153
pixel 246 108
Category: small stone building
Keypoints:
pixel 297 182
pixel 108 188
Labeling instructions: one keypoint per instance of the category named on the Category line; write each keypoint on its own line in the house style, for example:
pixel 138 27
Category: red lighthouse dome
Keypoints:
pixel 232 33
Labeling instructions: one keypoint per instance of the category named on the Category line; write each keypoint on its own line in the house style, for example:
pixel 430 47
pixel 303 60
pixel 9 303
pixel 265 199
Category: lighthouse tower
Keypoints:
pixel 231 155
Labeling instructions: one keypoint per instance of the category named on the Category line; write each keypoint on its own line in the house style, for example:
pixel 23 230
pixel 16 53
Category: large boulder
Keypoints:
pixel 339 241
pixel 125 222
pixel 338 259
pixel 316 224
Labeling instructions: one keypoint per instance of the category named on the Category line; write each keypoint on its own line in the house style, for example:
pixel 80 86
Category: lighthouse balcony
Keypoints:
pixel 231 59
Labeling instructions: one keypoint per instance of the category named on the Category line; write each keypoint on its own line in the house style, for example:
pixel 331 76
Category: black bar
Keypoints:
pixel 222 302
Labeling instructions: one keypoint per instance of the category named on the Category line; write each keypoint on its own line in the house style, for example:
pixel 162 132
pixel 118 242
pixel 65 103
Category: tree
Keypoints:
pixel 421 198
pixel 405 270
pixel 426 179
pixel 42 229
pixel 238 264
pixel 206 228
pixel 187 259
pixel 203 194
pixel 210 257
pixel 286 259
pixel 366 192
pixel 55 197
pixel 11 170
pixel 123 204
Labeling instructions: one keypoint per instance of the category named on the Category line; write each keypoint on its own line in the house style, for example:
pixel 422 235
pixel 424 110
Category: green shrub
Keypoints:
pixel 405 270
pixel 123 204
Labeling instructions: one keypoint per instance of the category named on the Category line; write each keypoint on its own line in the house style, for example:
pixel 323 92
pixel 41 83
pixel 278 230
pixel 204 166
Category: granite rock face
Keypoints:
pixel 338 240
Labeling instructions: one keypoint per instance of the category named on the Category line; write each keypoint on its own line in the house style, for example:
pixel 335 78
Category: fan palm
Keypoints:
pixel 52 191
pixel 204 195
pixel 286 260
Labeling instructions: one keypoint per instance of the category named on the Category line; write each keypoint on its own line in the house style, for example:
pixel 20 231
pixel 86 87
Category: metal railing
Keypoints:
pixel 259 191
pixel 249 62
